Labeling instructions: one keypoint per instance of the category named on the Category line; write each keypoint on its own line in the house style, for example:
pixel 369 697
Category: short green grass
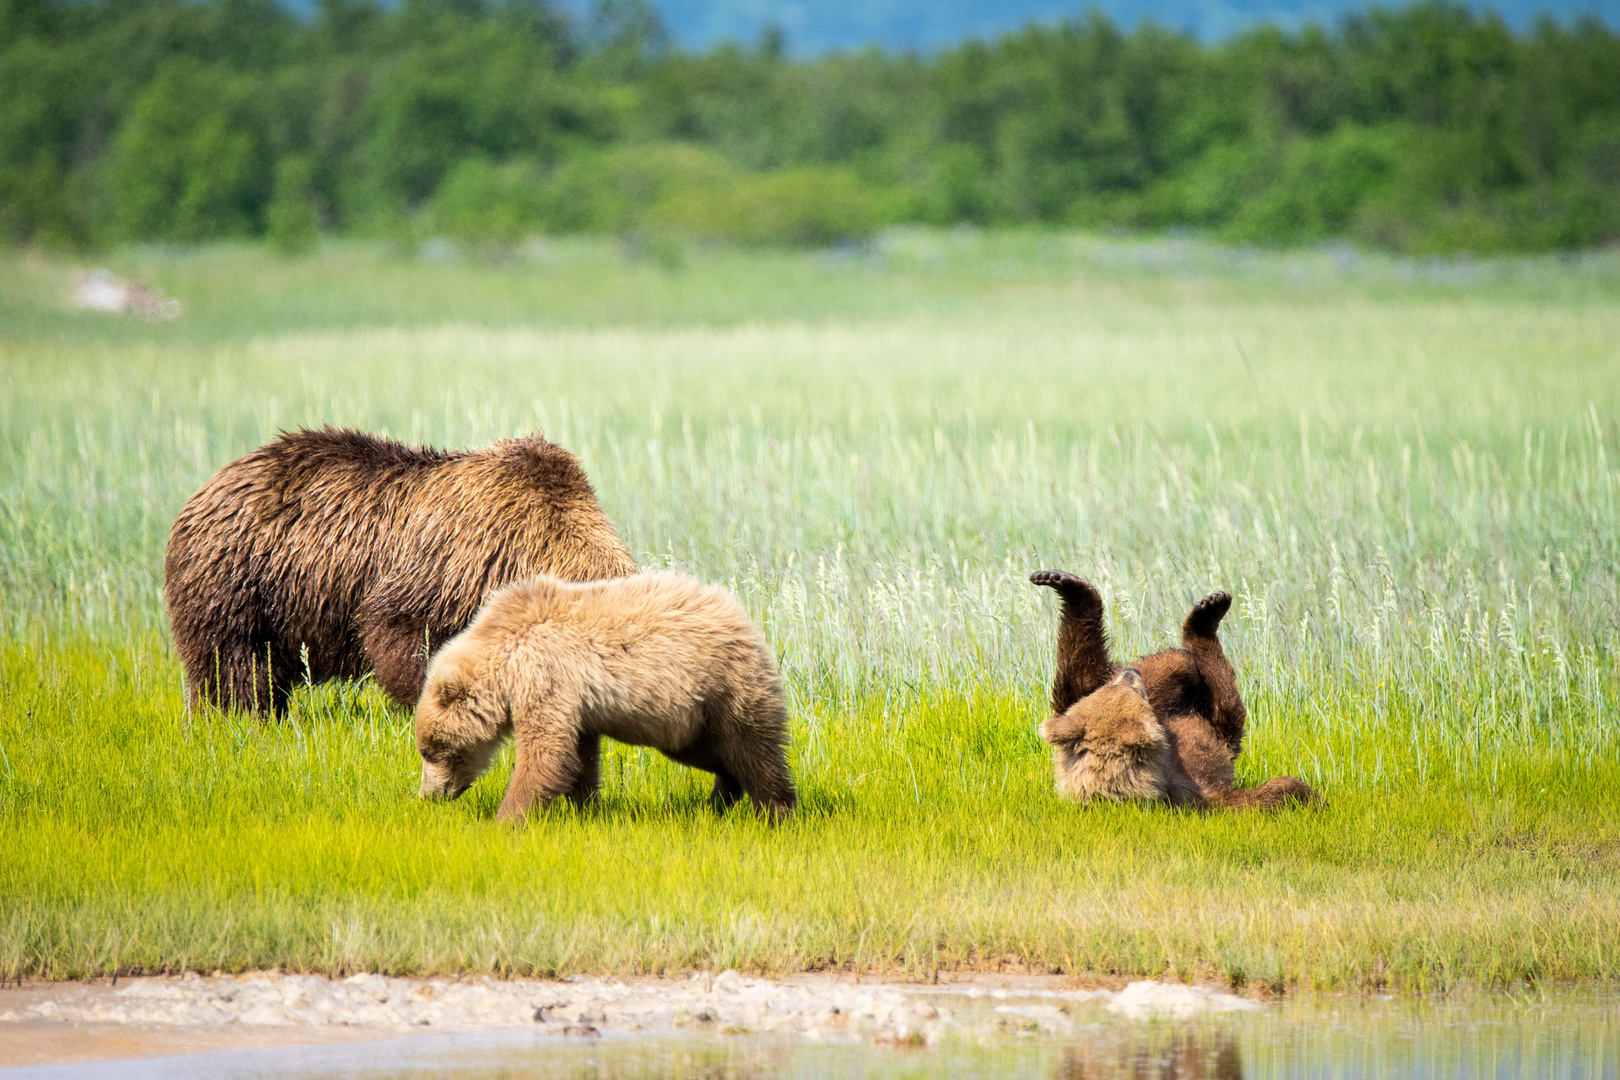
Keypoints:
pixel 1404 471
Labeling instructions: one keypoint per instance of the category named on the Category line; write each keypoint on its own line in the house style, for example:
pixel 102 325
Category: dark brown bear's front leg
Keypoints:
pixel 1198 638
pixel 397 654
pixel 1082 645
pixel 546 764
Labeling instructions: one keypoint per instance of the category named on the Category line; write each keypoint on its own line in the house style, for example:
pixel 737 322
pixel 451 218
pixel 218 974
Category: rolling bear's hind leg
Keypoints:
pixel 1205 617
pixel 1199 640
pixel 1271 795
pixel 1082 646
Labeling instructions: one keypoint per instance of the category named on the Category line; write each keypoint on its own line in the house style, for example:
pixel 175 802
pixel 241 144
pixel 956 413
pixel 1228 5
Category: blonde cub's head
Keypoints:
pixel 456 732
pixel 1109 744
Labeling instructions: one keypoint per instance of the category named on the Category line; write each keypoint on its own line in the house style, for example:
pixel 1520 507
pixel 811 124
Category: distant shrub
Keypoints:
pixel 289 220
pixel 612 191
pixel 673 190
pixel 189 163
pixel 1421 128
pixel 484 203
pixel 796 208
pixel 1320 186
pixel 42 196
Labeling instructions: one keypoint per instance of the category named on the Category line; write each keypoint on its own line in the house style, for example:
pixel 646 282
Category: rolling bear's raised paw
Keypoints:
pixel 1206 615
pixel 1068 586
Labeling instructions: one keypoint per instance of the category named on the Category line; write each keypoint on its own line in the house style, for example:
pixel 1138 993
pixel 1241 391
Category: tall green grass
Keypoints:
pixel 1403 471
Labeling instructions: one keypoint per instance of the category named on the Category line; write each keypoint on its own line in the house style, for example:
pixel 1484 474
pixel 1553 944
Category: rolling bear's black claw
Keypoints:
pixel 1058 579
pixel 1074 590
pixel 1206 615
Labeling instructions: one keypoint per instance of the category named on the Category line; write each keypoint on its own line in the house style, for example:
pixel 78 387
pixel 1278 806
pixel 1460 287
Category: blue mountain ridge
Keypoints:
pixel 816 26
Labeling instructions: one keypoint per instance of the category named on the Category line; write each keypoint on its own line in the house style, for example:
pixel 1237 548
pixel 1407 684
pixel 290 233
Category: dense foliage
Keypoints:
pixel 1424 129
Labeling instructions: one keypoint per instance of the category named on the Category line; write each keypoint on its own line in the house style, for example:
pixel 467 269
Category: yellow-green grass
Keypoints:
pixel 1403 471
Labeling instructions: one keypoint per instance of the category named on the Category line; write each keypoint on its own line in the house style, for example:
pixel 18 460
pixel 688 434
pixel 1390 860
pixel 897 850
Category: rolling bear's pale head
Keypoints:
pixel 1113 719
pixel 1109 744
pixel 454 737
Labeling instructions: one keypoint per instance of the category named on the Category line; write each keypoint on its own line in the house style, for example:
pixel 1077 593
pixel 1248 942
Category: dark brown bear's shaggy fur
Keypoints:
pixel 1191 692
pixel 327 554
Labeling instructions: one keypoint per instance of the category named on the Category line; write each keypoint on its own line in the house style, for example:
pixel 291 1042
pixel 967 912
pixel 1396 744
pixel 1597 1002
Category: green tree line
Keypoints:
pixel 1428 128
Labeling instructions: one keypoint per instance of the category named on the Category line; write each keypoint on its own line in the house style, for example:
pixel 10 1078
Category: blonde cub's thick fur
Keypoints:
pixel 655 660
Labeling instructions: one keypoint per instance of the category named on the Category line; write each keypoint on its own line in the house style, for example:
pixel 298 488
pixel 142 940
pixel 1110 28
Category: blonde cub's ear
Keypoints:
pixel 451 689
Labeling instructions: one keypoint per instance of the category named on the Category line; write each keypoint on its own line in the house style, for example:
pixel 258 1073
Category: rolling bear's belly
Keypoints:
pixel 1203 755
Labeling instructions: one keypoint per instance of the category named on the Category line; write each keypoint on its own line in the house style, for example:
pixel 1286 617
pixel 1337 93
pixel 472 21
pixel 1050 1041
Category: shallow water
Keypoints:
pixel 1573 1034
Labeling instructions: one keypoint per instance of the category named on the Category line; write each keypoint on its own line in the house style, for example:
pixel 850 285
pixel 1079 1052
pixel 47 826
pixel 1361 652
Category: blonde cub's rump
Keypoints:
pixel 655 660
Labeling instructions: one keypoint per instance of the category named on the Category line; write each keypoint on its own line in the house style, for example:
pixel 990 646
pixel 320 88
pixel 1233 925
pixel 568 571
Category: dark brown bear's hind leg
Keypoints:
pixel 1199 640
pixel 1082 645
pixel 257 680
pixel 397 655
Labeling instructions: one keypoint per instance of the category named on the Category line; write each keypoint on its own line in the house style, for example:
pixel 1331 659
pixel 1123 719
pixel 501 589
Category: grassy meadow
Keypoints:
pixel 1405 472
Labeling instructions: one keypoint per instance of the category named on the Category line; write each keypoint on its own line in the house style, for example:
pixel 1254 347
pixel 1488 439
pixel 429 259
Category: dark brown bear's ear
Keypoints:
pixel 1132 678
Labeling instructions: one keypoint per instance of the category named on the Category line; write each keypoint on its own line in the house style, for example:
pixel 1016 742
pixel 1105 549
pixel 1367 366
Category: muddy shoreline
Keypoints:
pixel 58 1023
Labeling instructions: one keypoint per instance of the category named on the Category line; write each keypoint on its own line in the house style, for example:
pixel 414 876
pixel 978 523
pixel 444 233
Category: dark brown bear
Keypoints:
pixel 329 554
pixel 1182 744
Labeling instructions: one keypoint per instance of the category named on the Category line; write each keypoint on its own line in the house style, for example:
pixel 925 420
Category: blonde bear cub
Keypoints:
pixel 654 659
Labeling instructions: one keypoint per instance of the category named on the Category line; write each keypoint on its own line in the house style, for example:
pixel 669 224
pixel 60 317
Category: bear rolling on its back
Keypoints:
pixel 1166 728
pixel 653 660
pixel 333 553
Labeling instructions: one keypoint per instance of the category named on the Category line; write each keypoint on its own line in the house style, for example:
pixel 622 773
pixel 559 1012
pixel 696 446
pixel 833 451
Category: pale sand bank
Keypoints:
pixel 65 1022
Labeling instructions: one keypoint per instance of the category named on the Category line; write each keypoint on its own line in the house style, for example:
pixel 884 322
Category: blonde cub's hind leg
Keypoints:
pixel 762 771
pixel 753 760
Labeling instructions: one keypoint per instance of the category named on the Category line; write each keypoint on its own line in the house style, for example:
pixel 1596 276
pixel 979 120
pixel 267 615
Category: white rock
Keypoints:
pixel 1144 1000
